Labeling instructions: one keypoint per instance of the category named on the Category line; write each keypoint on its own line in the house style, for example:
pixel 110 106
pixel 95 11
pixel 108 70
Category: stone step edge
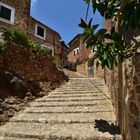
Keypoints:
pixel 16 138
pixel 54 137
pixel 69 112
pixel 22 135
pixel 71 100
pixel 65 96
pixel 68 105
pixel 45 121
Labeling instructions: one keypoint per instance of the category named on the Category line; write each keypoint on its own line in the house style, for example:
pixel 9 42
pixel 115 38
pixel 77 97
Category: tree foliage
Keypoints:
pixel 111 48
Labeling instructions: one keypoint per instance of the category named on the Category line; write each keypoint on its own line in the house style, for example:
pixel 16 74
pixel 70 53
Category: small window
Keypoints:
pixel 7 13
pixel 40 32
pixel 76 51
pixel 50 49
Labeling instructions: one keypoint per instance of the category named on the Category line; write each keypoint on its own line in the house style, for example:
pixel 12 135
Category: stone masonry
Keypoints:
pixel 25 22
pixel 78 110
pixel 83 57
pixel 28 66
pixel 124 87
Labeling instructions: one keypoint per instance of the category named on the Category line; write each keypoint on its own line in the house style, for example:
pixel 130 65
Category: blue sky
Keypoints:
pixel 62 15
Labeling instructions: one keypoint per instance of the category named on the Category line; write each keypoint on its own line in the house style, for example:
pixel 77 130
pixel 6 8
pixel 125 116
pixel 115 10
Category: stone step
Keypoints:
pixel 94 108
pixel 61 90
pixel 69 89
pixel 54 131
pixel 70 100
pixel 72 95
pixel 74 103
pixel 64 117
pixel 17 138
pixel 35 110
pixel 79 99
pixel 74 92
pixel 77 86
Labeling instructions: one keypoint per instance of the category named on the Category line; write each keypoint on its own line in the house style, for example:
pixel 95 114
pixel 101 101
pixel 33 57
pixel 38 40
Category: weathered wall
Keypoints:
pixel 52 38
pixel 84 52
pixel 124 88
pixel 24 21
pixel 99 72
pixel 124 84
pixel 30 67
pixel 22 13
pixel 74 44
pixel 82 69
pixel 64 54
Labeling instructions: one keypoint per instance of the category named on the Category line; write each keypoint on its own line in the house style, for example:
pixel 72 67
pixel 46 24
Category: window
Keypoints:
pixel 76 51
pixel 7 13
pixel 40 31
pixel 50 49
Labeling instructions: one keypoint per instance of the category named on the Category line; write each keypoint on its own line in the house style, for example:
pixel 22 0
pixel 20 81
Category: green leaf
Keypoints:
pixel 90 22
pixel 101 32
pixel 94 27
pixel 83 24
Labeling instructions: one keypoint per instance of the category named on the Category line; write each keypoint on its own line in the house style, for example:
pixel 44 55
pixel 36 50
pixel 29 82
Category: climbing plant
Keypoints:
pixel 111 48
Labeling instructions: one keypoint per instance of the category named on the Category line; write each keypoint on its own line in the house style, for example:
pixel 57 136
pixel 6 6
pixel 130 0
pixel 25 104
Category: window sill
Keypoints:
pixel 43 38
pixel 6 21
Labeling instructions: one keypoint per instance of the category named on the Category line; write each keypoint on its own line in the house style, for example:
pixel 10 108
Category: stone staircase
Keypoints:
pixel 78 110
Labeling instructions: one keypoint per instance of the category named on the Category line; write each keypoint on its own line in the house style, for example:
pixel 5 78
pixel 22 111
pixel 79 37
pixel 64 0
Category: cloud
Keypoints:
pixel 33 2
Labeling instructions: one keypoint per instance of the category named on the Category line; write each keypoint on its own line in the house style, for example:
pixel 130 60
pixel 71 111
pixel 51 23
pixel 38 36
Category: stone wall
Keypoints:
pixel 29 66
pixel 124 88
pixel 24 21
pixel 99 72
pixel 74 44
pixel 52 39
pixel 82 68
pixel 22 13
pixel 124 84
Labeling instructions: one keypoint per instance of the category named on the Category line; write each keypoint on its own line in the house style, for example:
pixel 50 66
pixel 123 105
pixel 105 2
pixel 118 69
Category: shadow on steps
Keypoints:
pixel 104 126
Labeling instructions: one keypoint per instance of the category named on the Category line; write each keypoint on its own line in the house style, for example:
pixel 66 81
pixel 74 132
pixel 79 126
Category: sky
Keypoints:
pixel 63 16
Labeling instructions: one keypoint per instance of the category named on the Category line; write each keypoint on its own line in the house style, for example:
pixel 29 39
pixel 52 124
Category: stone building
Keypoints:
pixel 78 51
pixel 124 88
pixel 15 13
pixel 64 53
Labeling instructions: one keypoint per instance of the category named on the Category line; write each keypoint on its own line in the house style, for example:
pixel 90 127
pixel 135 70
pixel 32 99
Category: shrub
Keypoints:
pixel 20 37
pixel 16 36
pixel 2 48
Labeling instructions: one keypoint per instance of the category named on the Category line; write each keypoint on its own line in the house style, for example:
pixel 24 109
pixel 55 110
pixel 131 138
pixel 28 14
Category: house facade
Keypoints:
pixel 64 53
pixel 79 52
pixel 15 13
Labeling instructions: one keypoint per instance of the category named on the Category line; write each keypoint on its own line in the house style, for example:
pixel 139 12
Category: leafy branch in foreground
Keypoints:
pixel 112 48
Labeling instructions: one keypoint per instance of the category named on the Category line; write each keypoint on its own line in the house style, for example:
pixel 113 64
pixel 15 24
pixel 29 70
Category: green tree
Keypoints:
pixel 112 48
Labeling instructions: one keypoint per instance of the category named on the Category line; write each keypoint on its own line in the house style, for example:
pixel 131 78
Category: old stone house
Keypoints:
pixel 64 53
pixel 124 87
pixel 15 13
pixel 78 51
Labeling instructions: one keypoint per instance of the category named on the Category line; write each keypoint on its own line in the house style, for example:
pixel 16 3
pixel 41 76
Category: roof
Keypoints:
pixel 74 38
pixel 45 26
pixel 63 44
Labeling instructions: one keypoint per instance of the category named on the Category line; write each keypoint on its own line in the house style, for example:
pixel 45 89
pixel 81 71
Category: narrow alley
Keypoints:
pixel 78 110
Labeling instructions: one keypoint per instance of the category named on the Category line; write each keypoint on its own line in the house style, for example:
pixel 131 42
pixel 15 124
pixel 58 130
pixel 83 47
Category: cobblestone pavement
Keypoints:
pixel 78 110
